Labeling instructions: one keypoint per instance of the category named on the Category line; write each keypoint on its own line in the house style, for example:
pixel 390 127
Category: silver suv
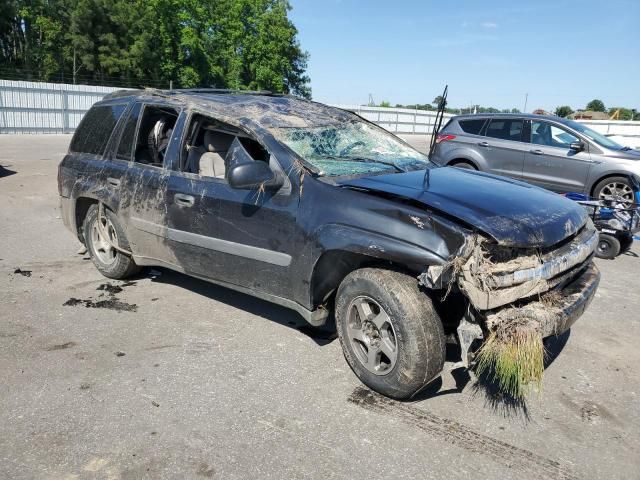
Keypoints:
pixel 551 152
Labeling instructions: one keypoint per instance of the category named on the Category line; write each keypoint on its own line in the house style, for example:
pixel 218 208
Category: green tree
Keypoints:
pixel 437 101
pixel 596 106
pixel 224 43
pixel 564 111
pixel 385 104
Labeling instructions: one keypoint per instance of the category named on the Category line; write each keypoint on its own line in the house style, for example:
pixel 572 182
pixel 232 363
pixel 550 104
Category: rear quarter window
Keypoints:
pixel 95 129
pixel 472 126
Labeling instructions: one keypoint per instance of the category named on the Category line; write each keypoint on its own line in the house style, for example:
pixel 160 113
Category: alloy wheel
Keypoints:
pixel 372 335
pixel 103 248
pixel 618 192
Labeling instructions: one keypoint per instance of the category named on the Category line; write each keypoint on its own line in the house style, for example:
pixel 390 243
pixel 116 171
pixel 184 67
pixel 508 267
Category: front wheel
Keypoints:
pixel 608 247
pixel 391 335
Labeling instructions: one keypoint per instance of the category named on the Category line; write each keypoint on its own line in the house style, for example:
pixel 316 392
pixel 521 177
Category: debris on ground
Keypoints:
pixel 513 356
pixel 24 273
pixel 111 303
pixel 120 354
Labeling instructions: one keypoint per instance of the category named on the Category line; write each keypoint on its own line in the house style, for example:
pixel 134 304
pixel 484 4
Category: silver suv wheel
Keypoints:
pixel 372 335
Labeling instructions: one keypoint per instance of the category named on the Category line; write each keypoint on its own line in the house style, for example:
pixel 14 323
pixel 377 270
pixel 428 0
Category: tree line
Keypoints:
pixel 564 111
pixel 620 113
pixel 237 44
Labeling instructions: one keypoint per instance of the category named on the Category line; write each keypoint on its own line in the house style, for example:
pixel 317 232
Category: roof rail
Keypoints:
pixel 177 92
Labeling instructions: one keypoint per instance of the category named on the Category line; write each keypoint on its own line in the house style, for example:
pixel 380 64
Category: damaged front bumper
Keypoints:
pixel 556 310
pixel 490 284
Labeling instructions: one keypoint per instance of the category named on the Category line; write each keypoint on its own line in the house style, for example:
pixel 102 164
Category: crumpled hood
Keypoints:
pixel 512 212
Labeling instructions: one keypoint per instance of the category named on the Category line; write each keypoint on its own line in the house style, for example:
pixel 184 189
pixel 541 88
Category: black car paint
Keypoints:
pixel 325 226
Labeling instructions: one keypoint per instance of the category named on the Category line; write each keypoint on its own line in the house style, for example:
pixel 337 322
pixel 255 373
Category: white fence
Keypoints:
pixel 398 120
pixel 28 107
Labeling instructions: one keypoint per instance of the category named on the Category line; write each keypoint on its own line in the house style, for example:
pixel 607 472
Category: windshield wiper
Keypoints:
pixel 364 160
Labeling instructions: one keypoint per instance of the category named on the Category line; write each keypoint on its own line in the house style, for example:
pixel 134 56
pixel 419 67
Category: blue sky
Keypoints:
pixel 489 52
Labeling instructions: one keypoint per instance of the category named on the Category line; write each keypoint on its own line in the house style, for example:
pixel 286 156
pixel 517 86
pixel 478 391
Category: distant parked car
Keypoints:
pixel 551 152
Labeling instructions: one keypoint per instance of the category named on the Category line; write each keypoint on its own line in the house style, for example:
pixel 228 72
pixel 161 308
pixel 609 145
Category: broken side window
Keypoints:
pixel 94 131
pixel 206 150
pixel 154 133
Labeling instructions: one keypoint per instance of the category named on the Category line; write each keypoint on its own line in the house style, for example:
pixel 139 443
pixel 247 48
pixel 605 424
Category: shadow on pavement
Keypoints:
pixel 261 308
pixel 5 172
pixel 484 385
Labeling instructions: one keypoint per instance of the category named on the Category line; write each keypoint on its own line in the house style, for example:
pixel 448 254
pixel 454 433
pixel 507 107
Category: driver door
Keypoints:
pixel 549 161
pixel 245 238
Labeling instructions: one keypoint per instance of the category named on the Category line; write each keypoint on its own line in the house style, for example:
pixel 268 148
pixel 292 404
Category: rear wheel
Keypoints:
pixel 608 247
pixel 616 189
pixel 109 261
pixel 391 336
pixel 464 165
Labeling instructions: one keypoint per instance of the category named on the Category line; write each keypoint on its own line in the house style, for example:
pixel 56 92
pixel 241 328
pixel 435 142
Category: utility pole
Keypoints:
pixel 526 98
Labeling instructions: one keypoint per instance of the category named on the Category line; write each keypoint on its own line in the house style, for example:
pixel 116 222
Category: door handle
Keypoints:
pixel 483 144
pixel 536 152
pixel 184 200
pixel 114 182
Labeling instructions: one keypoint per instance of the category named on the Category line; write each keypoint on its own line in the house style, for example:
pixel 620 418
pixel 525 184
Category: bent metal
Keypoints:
pixel 317 209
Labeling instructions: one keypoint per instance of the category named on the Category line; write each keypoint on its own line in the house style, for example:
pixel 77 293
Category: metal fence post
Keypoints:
pixel 65 111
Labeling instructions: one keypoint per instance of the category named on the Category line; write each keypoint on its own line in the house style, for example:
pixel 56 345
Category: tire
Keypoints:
pixel 112 263
pixel 407 325
pixel 615 188
pixel 464 165
pixel 608 247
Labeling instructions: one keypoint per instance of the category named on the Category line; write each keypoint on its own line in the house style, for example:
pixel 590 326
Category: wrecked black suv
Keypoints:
pixel 316 209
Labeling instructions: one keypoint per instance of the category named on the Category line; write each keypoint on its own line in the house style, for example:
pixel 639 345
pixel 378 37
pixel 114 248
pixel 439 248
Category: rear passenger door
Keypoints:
pixel 503 146
pixel 146 145
pixel 550 163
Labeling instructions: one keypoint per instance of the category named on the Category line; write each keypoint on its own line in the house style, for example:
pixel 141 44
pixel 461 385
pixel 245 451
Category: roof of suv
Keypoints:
pixel 265 108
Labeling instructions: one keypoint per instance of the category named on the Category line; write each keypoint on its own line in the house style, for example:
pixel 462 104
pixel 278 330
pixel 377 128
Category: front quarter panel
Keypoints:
pixel 383 230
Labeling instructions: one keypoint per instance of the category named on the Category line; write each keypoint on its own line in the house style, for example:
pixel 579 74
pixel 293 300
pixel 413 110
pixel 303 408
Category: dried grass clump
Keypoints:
pixel 513 357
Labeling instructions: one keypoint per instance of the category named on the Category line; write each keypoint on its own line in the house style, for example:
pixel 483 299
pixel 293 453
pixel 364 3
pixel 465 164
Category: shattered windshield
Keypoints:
pixel 351 148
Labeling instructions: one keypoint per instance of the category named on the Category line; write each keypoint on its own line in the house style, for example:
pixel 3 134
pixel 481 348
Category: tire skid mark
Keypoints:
pixel 533 465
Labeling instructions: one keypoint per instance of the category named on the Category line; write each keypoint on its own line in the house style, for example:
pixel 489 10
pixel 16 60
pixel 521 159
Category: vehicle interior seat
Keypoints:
pixel 216 145
pixel 542 135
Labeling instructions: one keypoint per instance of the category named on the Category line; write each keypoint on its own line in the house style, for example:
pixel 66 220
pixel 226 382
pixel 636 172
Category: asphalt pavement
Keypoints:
pixel 166 376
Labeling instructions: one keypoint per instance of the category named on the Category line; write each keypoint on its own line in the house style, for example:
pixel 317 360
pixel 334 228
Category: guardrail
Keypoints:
pixel 31 107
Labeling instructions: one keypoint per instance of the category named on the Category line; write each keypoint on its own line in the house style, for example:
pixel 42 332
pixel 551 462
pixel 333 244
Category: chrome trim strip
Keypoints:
pixel 553 263
pixel 211 243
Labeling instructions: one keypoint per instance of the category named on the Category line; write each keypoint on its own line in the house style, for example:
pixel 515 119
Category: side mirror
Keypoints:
pixel 245 173
pixel 253 175
pixel 577 146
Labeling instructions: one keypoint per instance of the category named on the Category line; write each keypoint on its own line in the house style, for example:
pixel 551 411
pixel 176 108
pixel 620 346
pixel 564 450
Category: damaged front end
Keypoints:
pixel 545 290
